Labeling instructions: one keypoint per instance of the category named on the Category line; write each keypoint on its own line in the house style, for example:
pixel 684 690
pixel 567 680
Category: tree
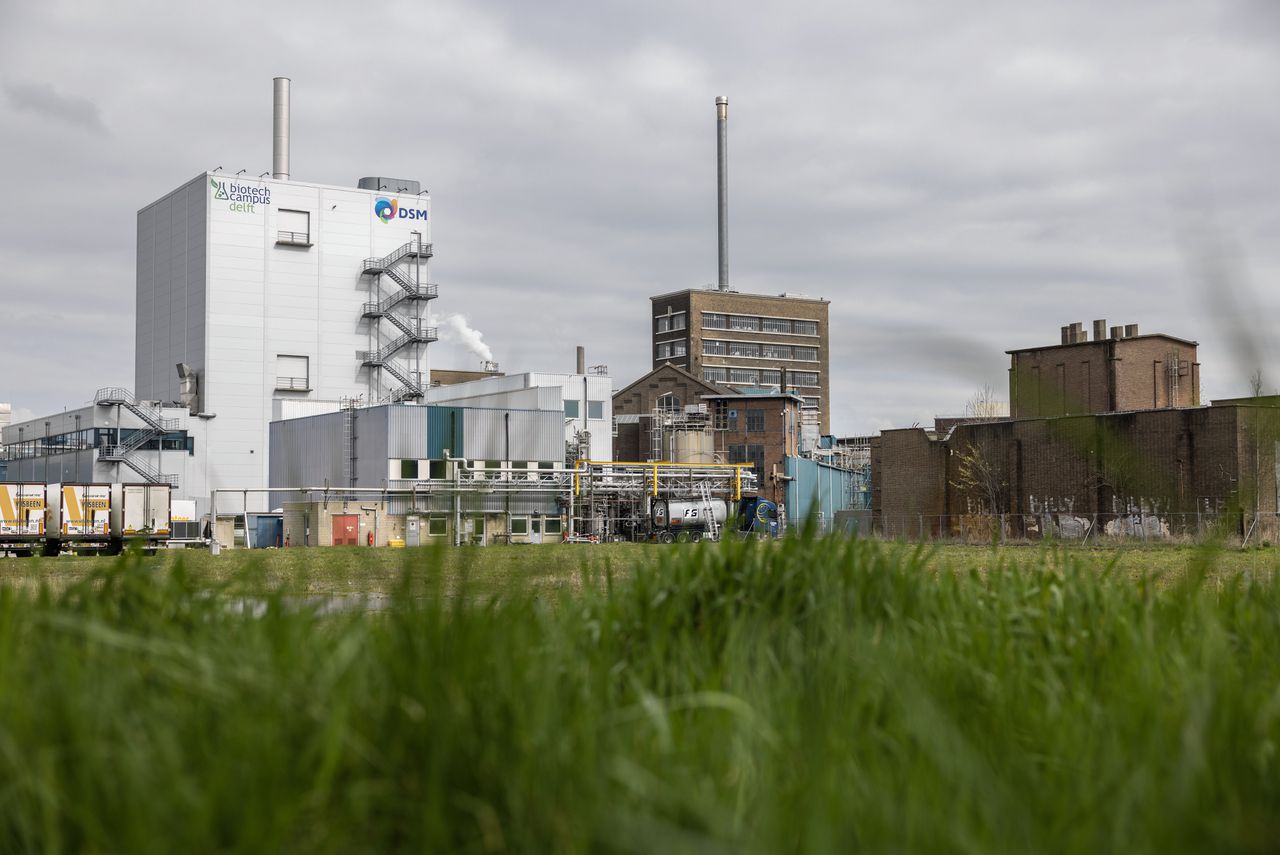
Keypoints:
pixel 985 405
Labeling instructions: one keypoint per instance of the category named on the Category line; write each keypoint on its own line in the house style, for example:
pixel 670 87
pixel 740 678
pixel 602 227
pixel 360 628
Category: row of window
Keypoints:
pixel 670 350
pixel 419 470
pixel 757 350
pixel 89 438
pixel 669 323
pixel 751 323
pixel 573 409
pixel 438 526
pixel 758 377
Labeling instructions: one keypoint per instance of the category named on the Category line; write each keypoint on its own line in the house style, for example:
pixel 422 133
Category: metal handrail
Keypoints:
pixel 413 247
pixel 297 238
pixel 422 292
pixel 293 384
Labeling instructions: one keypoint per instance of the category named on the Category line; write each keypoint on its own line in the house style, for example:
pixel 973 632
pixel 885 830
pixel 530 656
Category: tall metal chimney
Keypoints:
pixel 280 129
pixel 722 174
pixel 582 360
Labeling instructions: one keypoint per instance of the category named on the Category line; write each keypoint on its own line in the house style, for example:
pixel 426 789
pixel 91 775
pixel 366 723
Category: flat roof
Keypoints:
pixel 1165 336
pixel 710 289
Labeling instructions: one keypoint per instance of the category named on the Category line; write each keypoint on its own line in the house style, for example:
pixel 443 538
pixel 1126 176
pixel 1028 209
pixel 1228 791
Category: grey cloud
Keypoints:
pixel 957 182
pixel 43 99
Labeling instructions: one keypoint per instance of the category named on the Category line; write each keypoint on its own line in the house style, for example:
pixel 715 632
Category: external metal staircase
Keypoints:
pixel 126 452
pixel 403 269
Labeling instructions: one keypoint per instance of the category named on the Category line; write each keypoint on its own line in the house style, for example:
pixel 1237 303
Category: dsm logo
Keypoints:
pixel 389 209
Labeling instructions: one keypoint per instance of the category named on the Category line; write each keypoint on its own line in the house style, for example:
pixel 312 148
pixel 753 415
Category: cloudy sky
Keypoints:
pixel 957 178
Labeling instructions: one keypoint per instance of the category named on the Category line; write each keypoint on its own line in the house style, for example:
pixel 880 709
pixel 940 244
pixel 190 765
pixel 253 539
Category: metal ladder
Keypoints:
pixel 713 527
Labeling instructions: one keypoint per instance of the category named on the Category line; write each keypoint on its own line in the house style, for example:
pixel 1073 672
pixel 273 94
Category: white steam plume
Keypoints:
pixel 471 339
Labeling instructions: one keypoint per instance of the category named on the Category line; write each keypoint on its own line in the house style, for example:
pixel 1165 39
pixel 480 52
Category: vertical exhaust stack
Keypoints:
pixel 280 129
pixel 582 360
pixel 722 174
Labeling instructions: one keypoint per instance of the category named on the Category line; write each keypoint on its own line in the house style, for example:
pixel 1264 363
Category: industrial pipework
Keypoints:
pixel 280 129
pixel 722 173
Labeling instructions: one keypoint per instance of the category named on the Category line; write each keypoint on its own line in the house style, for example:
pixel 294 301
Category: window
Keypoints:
pixel 805 327
pixel 742 348
pixel 804 378
pixel 293 227
pixel 779 325
pixel 438 470
pixel 664 351
pixel 753 454
pixel 491 469
pixel 595 409
pixel 551 525
pixel 743 375
pixel 738 322
pixel 809 354
pixel 810 401
pixel 292 373
pixel 712 320
pixel 777 351
pixel 437 526
pixel 755 421
pixel 409 469
pixel 770 377
pixel 668 402
pixel 715 375
pixel 571 409
pixel 678 348
pixel 714 347
pixel 670 349
pixel 670 323
pixel 519 525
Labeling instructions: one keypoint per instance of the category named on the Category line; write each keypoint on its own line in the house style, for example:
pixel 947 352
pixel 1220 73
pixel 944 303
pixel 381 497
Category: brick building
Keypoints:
pixel 1118 370
pixel 762 429
pixel 1172 462
pixel 750 342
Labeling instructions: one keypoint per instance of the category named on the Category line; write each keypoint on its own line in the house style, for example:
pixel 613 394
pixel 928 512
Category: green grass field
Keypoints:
pixel 812 695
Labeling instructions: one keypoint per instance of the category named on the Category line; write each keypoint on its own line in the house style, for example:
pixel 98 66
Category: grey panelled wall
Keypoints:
pixel 171 290
pixel 406 430
pixel 521 435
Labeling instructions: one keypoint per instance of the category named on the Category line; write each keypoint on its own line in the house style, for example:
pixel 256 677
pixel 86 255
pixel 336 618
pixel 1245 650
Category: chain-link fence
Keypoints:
pixel 1139 527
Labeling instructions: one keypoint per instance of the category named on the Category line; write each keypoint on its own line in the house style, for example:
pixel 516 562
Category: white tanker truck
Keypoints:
pixel 685 519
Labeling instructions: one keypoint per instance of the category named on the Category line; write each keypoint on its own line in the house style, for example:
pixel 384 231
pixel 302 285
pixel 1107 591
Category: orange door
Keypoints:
pixel 346 529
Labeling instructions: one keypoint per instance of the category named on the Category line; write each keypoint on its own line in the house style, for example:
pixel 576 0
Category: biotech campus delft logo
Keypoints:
pixel 240 197
pixel 389 209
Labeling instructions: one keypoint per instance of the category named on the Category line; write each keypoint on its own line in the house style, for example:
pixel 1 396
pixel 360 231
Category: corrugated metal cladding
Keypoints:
pixel 817 489
pixel 372 438
pixel 407 432
pixel 514 435
pixel 306 452
pixel 444 430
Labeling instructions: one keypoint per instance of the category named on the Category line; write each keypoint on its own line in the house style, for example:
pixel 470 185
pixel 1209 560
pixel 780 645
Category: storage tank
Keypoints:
pixel 693 446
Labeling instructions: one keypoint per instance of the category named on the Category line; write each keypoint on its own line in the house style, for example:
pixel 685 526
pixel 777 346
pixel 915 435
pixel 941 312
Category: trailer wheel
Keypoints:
pixel 695 536
pixel 666 537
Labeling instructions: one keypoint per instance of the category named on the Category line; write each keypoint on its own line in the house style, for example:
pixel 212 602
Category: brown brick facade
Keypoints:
pixel 759 429
pixel 1109 375
pixel 691 306
pixel 1174 461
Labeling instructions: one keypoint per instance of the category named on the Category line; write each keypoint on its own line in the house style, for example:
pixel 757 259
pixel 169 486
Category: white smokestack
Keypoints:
pixel 280 128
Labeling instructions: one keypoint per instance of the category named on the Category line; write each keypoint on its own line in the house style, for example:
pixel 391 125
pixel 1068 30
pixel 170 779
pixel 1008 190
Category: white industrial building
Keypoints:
pixel 261 299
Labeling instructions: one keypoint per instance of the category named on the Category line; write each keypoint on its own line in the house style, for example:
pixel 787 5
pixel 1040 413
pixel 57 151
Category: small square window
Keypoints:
pixel 519 525
pixel 409 469
pixel 571 409
pixel 437 526
pixel 595 409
